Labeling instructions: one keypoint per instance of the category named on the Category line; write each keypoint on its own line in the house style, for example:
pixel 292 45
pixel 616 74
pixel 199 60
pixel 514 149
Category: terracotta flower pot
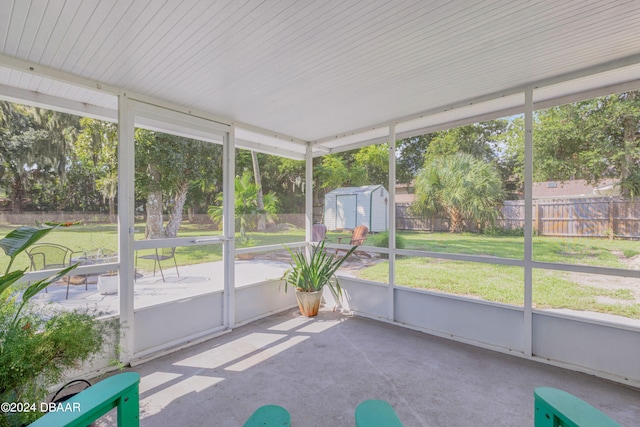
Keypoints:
pixel 309 302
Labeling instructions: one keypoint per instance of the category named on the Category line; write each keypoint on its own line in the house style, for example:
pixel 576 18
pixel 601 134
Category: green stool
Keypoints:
pixel 376 413
pixel 557 408
pixel 269 416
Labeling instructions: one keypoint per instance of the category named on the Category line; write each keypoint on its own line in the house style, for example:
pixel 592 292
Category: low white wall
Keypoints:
pixel 485 323
pixel 176 321
pixel 262 299
pixel 607 350
pixel 365 298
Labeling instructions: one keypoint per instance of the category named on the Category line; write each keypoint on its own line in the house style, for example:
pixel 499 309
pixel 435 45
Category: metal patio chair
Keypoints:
pixel 161 254
pixel 48 256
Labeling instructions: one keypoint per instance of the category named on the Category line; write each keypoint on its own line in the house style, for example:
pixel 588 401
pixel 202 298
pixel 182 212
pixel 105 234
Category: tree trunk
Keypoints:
pixel 175 217
pixel 260 198
pixel 17 194
pixel 112 210
pixel 457 221
pixel 630 126
pixel 155 222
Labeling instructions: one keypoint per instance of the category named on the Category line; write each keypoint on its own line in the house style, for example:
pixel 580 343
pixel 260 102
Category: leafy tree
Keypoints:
pixel 592 140
pixel 95 152
pixel 285 178
pixel 466 189
pixel 481 140
pixel 33 149
pixel 410 156
pixel 374 159
pixel 170 165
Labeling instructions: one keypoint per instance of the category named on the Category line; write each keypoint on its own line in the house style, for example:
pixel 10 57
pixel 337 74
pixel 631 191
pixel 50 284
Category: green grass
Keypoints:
pixel 497 283
pixel 88 237
pixel 503 284
pixel 586 251
pixel 628 253
pixel 77 238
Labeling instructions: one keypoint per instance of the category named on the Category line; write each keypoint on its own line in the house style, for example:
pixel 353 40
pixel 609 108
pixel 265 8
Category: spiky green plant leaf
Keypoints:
pixel 319 270
pixel 38 286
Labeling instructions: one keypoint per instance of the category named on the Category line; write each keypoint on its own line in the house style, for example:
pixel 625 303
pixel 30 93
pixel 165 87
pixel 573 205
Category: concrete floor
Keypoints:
pixel 320 369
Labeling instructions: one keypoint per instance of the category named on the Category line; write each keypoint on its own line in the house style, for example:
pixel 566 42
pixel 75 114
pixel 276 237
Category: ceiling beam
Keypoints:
pixel 40 100
pixel 71 79
pixel 267 149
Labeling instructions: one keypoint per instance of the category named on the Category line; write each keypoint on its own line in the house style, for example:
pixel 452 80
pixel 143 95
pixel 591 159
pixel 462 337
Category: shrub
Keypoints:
pixel 504 232
pixel 381 240
pixel 37 345
pixel 36 350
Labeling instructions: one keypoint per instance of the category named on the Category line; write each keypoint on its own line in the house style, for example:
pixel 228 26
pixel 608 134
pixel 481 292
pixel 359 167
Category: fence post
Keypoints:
pixel 611 220
pixel 535 217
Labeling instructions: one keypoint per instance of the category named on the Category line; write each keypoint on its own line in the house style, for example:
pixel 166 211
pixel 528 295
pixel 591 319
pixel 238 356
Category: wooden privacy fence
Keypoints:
pixel 576 217
pixel 406 221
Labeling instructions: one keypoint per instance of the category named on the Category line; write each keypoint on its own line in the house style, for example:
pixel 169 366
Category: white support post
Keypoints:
pixel 308 195
pixel 528 223
pixel 392 220
pixel 228 226
pixel 126 205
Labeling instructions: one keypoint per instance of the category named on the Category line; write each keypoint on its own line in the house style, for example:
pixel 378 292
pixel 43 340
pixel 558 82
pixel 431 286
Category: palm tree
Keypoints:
pixel 259 196
pixel 466 189
pixel 246 204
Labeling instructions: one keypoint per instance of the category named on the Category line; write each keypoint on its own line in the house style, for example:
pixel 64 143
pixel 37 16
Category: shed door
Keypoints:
pixel 346 211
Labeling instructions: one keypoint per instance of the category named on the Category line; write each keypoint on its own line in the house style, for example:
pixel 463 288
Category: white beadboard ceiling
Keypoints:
pixel 333 73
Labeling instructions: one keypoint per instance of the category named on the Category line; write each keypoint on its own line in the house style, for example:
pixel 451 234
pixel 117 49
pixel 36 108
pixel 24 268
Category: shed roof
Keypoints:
pixel 354 190
pixel 331 73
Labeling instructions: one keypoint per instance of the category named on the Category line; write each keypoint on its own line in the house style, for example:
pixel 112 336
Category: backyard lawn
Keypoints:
pixel 586 251
pixel 92 236
pixel 498 283
pixel 504 284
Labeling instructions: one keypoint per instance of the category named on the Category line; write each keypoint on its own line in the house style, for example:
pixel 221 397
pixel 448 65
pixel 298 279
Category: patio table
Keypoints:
pixel 93 257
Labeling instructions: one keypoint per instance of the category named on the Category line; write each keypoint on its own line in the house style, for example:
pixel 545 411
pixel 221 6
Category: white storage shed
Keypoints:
pixel 348 207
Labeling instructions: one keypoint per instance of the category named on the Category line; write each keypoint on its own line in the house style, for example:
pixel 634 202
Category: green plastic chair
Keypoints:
pixel 376 413
pixel 557 408
pixel 269 416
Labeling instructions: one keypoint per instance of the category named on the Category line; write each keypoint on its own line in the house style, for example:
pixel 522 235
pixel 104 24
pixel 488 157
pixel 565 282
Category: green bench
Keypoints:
pixel 376 413
pixel 119 391
pixel 557 408
pixel 269 416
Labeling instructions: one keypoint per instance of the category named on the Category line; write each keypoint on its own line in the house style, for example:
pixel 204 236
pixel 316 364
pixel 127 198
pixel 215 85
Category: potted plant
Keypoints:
pixel 309 276
pixel 108 283
pixel 37 345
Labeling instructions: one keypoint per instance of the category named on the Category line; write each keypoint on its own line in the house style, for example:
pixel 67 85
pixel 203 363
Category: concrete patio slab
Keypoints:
pixel 150 290
pixel 319 369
